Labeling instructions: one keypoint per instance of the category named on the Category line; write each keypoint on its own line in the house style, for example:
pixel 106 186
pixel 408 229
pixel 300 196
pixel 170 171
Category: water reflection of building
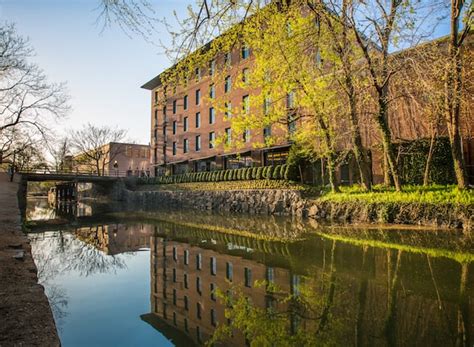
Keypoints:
pixel 116 238
pixel 185 278
pixel 365 295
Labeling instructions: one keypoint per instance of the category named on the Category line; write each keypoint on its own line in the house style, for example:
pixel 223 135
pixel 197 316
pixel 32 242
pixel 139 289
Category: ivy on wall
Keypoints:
pixel 412 161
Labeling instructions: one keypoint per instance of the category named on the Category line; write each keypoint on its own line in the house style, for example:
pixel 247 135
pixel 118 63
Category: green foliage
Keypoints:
pixel 259 175
pixel 276 172
pixel 254 172
pixel 413 160
pixel 248 173
pixel 269 173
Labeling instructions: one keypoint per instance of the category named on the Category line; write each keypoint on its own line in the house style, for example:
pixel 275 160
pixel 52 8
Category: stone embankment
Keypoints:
pixel 291 202
pixel 25 315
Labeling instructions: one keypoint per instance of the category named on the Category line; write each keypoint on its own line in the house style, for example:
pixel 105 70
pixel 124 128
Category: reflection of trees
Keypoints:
pixel 59 252
pixel 464 319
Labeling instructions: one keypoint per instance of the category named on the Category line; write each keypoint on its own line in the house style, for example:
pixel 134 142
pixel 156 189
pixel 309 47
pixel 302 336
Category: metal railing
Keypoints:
pixel 114 173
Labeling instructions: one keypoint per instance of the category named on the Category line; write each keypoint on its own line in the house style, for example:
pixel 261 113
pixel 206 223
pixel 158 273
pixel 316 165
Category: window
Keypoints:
pixel 212 67
pixel 227 84
pixel 175 147
pixel 212 288
pixel 229 271
pixel 198 142
pixel 245 52
pixel 174 275
pixel 267 131
pixel 164 291
pixel 246 104
pixel 156 117
pixel 186 303
pixel 198 310
pixel 198 285
pixel 185 102
pixel 185 146
pixel 213 317
pixel 156 135
pixel 245 75
pixel 198 334
pixel 228 58
pixel 291 124
pixel 198 96
pixel 164 311
pixel 212 138
pixel 248 277
pixel 246 136
pixel 197 72
pixel 228 135
pixel 198 261
pixel 186 328
pixel 213 266
pixel 266 105
pixel 185 280
pixel 212 116
pixel 186 257
pixel 290 100
pixel 175 127
pixel 198 119
pixel 174 106
pixel 185 124
pixel 174 319
pixel 270 274
pixel 228 110
pixel 164 130
pixel 174 297
pixel 212 91
pixel 156 97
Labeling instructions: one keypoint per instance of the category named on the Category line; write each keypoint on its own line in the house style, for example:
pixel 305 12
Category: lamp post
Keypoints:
pixel 116 168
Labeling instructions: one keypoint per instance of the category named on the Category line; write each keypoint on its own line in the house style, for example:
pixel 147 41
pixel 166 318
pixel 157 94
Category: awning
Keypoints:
pixel 203 158
pixel 235 153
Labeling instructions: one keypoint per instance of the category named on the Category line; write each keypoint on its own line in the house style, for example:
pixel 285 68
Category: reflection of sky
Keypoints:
pixel 104 308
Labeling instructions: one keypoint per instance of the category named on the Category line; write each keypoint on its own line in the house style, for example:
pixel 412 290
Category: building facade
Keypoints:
pixel 116 159
pixel 185 125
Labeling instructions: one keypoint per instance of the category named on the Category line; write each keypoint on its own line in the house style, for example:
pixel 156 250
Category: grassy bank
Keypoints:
pixel 227 185
pixel 434 194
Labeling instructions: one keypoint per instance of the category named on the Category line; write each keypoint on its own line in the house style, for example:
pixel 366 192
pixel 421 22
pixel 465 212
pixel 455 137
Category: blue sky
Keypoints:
pixel 104 71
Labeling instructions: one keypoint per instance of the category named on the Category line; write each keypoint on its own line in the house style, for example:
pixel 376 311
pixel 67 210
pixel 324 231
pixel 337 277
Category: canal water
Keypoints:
pixel 176 278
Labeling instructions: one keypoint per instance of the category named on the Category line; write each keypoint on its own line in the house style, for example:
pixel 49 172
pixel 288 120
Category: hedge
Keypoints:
pixel 279 172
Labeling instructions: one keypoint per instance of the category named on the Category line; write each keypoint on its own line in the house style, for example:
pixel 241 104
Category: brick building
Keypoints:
pixel 121 159
pixel 184 124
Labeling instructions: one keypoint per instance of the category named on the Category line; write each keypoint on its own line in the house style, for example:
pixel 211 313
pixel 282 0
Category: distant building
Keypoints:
pixel 120 159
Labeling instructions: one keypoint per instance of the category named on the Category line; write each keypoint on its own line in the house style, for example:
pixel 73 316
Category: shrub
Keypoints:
pixel 270 173
pixel 248 173
pixel 254 172
pixel 259 173
pixel 276 172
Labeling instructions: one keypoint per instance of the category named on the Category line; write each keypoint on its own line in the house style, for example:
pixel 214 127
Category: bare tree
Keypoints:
pixel 132 16
pixel 92 144
pixel 28 102
pixel 60 152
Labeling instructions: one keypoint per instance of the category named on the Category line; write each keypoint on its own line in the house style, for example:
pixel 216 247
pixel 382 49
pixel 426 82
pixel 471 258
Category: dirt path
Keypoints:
pixel 25 314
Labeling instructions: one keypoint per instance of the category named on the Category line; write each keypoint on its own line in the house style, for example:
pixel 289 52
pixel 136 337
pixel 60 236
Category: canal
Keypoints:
pixel 144 278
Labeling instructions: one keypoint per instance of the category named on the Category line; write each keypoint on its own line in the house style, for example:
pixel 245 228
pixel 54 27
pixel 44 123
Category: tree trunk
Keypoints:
pixel 382 120
pixel 360 153
pixel 426 175
pixel 453 86
pixel 332 175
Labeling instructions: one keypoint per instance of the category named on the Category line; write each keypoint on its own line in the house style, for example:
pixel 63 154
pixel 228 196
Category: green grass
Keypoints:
pixel 434 194
pixel 228 185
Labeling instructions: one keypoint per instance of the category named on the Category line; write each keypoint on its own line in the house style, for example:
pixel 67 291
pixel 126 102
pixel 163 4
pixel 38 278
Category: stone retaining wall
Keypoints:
pixel 290 202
